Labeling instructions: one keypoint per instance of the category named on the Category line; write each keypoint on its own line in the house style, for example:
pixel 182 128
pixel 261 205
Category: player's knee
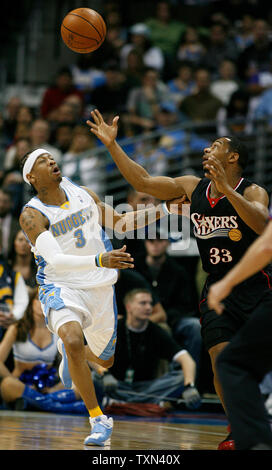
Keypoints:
pixel 74 345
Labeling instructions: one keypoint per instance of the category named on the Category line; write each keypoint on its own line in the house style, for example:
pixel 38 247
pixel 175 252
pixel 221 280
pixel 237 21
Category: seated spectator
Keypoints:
pixel 190 47
pixel 141 345
pixel 8 221
pixel 14 154
pixel 227 82
pixel 129 279
pixel 62 136
pixel 81 164
pixel 56 94
pixel 201 106
pixel 169 281
pixel 243 35
pixel 140 41
pixel 33 377
pixel 113 94
pixel 220 46
pixel 10 116
pixel 86 76
pixel 165 31
pixel 40 133
pixel 22 260
pixel 257 57
pixel 134 69
pixel 13 295
pixel 237 116
pixel 143 102
pixel 183 84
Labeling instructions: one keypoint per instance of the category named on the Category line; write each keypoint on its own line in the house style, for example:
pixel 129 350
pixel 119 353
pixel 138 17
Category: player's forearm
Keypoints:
pixel 254 217
pixel 139 219
pixel 132 172
pixel 188 366
pixel 255 259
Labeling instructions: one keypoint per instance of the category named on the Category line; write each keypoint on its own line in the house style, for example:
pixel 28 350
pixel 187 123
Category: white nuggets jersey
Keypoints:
pixel 75 226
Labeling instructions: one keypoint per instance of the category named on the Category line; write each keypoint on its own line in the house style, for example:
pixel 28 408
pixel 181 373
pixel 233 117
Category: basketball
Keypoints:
pixel 83 30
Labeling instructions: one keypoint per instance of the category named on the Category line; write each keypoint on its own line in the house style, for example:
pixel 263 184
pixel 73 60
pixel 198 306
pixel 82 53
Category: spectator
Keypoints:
pixel 134 68
pixel 263 109
pixel 169 281
pixel 34 348
pixel 10 115
pixel 165 31
pixel 140 40
pixel 8 222
pixel 143 102
pixel 227 82
pixel 128 280
pixel 237 116
pixel 22 260
pixel 139 349
pixel 40 136
pixel 16 152
pixel 257 57
pixel 62 137
pixel 183 84
pixel 13 295
pixel 86 75
pixel 190 47
pixel 56 94
pixel 80 162
pixel 244 36
pixel 201 106
pixel 65 113
pixel 219 46
pixel 4 142
pixel 113 94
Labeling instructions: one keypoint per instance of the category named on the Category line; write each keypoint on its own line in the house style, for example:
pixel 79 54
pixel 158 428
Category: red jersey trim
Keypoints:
pixel 214 201
pixel 268 279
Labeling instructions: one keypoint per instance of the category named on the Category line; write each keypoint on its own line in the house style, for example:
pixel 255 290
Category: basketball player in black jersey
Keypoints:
pixel 228 213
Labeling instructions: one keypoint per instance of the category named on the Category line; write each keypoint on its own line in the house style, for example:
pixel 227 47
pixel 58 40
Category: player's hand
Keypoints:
pixel 107 134
pixel 191 397
pixel 217 292
pixel 215 171
pixel 118 259
pixel 179 206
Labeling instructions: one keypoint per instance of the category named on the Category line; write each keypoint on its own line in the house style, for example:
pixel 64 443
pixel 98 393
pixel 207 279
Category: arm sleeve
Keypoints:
pixel 20 298
pixel 50 250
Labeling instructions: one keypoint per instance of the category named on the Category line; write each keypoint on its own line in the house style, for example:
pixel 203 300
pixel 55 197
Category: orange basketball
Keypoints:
pixel 83 30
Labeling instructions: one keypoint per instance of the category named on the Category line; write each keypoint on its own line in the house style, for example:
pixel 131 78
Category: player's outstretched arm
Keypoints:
pixel 161 187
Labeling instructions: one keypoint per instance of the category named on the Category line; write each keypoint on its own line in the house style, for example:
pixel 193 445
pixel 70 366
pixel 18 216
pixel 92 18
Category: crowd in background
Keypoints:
pixel 153 74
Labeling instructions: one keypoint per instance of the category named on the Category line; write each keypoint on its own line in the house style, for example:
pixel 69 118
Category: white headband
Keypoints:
pixel 30 162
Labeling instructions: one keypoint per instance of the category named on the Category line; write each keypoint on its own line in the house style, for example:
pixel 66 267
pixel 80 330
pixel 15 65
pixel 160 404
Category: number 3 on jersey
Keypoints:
pixel 81 241
pixel 217 255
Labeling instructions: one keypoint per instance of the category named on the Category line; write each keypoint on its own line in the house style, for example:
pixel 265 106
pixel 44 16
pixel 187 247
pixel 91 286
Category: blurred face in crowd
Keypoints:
pixel 150 79
pixel 82 140
pixel 202 78
pixel 64 81
pixel 65 113
pixel 5 204
pixel 185 73
pixel 24 115
pixel 64 136
pixel 21 245
pixel 136 197
pixel 13 107
pixel 217 34
pixel 163 12
pixel 227 70
pixel 39 132
pixel 260 31
pixel 157 247
pixel 22 147
pixel 139 308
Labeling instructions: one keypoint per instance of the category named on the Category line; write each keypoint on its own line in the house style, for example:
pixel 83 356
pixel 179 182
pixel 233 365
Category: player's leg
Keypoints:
pixel 241 367
pixel 214 353
pixel 72 336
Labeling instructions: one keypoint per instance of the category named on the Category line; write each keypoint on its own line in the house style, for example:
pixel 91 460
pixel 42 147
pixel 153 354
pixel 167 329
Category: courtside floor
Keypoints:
pixel 27 430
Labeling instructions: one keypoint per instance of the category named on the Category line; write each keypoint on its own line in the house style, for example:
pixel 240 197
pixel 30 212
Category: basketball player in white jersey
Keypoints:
pixel 76 272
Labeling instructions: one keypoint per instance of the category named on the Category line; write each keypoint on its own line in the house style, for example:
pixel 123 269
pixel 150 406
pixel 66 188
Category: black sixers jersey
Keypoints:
pixel 223 237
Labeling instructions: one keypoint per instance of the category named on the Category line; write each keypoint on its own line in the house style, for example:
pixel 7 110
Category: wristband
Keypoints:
pixel 165 208
pixel 98 260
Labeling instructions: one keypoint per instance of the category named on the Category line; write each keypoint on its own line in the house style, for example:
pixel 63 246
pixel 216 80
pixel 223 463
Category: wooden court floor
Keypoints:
pixel 26 430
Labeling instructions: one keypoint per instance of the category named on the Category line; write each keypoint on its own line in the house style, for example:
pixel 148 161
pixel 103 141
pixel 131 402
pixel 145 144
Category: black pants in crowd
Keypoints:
pixel 241 367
